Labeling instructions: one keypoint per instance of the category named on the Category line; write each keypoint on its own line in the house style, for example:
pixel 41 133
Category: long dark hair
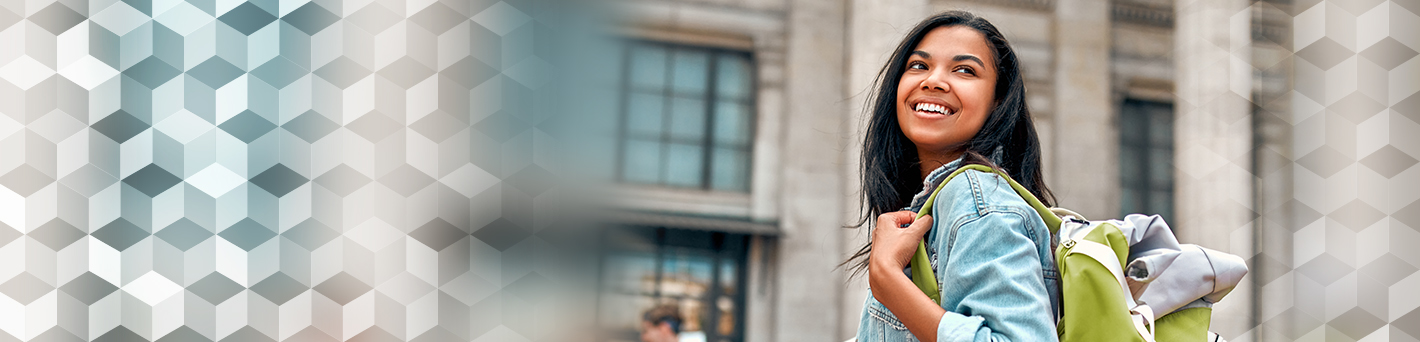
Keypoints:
pixel 891 169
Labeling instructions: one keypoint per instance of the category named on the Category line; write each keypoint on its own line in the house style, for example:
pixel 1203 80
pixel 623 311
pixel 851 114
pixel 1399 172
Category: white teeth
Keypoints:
pixel 927 107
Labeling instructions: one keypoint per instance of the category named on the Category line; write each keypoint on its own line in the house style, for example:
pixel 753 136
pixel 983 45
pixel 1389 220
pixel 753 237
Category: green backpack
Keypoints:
pixel 1097 303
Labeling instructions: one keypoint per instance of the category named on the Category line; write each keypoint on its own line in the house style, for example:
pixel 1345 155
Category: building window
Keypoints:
pixel 702 272
pixel 686 117
pixel 1146 158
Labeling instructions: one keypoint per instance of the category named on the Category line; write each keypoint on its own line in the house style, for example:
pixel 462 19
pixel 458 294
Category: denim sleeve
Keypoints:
pixel 992 284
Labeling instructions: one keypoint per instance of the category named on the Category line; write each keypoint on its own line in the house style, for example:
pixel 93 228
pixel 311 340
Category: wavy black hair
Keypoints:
pixel 891 170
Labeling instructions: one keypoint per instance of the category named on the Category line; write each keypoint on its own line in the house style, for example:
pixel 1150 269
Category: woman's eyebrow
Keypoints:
pixel 978 61
pixel 957 58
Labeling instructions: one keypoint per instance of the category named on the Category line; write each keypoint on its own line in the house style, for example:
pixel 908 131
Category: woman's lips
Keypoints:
pixel 928 105
pixel 933 108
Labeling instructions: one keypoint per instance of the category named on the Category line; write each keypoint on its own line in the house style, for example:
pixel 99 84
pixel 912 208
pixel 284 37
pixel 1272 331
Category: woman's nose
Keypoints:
pixel 936 81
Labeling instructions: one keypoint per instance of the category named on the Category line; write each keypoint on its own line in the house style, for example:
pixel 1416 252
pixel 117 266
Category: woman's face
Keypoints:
pixel 946 92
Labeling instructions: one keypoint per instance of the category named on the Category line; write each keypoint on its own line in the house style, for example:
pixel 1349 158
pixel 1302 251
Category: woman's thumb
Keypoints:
pixel 921 225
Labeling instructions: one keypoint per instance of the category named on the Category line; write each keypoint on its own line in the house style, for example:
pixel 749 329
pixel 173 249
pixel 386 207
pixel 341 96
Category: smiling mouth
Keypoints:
pixel 928 108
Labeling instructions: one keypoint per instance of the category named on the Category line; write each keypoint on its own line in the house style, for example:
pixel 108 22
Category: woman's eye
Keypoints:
pixel 966 70
pixel 917 65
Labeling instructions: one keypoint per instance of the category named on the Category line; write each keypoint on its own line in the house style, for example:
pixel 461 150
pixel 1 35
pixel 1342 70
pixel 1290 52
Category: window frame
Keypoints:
pixel 1139 115
pixel 711 98
pixel 716 244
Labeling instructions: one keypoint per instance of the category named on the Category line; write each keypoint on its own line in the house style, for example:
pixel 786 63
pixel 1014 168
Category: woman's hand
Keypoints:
pixel 894 245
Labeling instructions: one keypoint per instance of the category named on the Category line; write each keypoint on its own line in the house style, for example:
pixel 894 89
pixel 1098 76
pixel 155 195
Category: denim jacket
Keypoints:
pixel 992 257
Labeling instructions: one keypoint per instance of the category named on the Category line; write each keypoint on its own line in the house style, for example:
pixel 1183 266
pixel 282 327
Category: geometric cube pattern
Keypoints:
pixel 264 170
pixel 1355 214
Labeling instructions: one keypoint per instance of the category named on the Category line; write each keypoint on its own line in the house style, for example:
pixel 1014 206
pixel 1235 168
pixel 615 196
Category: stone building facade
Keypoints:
pixel 1096 70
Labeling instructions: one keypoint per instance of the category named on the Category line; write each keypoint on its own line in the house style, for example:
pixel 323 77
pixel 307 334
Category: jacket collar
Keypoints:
pixel 930 182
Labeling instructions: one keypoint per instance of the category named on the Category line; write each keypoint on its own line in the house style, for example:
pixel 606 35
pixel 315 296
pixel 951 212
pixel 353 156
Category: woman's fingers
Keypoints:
pixel 895 219
pixel 897 236
pixel 902 219
pixel 920 227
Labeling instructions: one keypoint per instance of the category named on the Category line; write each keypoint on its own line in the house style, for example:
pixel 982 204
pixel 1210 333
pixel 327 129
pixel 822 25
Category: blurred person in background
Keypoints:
pixel 661 324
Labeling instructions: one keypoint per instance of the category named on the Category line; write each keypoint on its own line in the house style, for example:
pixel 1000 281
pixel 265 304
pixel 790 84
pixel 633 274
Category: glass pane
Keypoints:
pixel 688 120
pixel 1131 125
pixel 644 115
pixel 643 161
pixel 1160 169
pixel 690 70
pixel 726 324
pixel 1161 202
pixel 694 312
pixel 731 123
pixel 631 273
pixel 685 275
pixel 648 67
pixel 728 276
pixel 730 170
pixel 1132 166
pixel 733 78
pixel 685 165
pixel 1161 127
pixel 1129 202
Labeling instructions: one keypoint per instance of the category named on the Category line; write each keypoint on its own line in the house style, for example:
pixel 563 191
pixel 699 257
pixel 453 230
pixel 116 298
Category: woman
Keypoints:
pixel 952 94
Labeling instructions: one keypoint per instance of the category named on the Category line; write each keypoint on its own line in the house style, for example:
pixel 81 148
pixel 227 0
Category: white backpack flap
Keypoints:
pixel 1197 274
pixel 1228 271
pixel 1152 245
pixel 1152 248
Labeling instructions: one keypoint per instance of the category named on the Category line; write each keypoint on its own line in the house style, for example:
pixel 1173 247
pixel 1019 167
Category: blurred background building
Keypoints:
pixel 332 170
pixel 740 124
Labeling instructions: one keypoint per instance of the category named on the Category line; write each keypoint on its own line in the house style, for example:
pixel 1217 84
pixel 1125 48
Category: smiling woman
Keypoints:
pixel 951 95
pixel 946 93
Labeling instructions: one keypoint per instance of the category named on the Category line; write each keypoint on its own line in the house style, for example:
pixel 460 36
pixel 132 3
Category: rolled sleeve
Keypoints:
pixel 992 281
pixel 958 327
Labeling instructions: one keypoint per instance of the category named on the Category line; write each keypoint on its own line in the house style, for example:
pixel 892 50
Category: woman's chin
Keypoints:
pixel 935 141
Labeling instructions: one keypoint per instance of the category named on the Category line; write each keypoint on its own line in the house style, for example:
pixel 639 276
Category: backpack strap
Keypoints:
pixel 922 274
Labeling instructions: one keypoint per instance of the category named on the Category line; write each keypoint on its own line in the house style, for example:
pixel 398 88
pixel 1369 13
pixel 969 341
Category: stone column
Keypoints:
pixel 875 29
pixel 812 179
pixel 1213 186
pixel 1086 137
